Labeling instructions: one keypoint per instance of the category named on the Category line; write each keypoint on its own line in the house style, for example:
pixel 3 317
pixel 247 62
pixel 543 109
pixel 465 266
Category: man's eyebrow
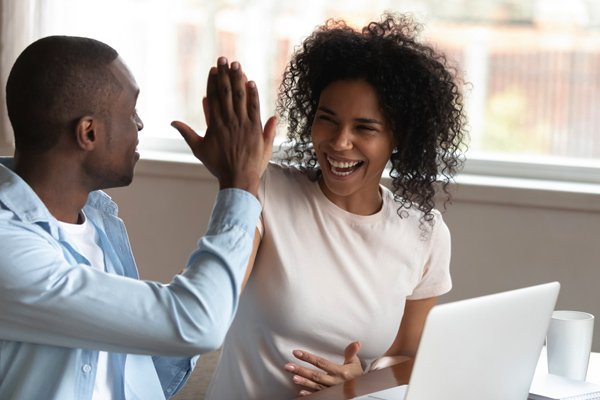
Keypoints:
pixel 360 120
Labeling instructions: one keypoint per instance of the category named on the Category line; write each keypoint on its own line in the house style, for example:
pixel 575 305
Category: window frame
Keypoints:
pixel 19 22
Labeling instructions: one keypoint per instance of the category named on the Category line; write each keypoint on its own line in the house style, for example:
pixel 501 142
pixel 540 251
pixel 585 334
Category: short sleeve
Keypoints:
pixel 435 280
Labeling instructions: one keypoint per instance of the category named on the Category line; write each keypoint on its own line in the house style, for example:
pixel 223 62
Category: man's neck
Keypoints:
pixel 57 184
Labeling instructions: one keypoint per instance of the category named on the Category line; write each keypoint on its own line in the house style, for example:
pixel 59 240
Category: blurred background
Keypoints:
pixel 533 66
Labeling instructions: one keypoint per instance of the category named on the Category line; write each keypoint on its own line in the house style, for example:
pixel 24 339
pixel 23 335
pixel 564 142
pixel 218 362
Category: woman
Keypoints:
pixel 346 269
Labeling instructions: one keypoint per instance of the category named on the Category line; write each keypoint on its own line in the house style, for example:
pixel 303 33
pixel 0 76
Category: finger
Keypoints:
pixel 307 383
pixel 268 137
pixel 350 353
pixel 206 110
pixel 269 133
pixel 190 136
pixel 318 362
pixel 311 378
pixel 306 373
pixel 224 88
pixel 253 102
pixel 305 393
pixel 213 106
pixel 238 87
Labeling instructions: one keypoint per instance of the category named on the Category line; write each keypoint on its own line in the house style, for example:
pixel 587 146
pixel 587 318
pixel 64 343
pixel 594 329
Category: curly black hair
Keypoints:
pixel 418 91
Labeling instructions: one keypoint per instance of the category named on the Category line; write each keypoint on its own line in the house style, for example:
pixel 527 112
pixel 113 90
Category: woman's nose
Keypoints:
pixel 342 139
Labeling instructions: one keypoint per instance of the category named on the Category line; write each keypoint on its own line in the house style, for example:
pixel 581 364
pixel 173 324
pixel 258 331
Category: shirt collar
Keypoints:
pixel 17 196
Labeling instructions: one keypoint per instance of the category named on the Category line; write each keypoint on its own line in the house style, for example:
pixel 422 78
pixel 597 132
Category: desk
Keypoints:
pixel 399 374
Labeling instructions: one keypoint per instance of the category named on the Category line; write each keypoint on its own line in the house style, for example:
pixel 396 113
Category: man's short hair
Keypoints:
pixel 54 82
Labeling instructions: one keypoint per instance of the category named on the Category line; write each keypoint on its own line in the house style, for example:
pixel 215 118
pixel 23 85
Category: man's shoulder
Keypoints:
pixel 19 200
pixel 19 232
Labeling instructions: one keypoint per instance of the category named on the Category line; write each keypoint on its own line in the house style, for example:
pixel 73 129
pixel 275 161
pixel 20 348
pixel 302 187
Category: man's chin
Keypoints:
pixel 127 181
pixel 124 180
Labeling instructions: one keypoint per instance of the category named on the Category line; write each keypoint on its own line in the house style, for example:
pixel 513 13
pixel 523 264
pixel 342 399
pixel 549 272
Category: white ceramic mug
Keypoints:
pixel 569 342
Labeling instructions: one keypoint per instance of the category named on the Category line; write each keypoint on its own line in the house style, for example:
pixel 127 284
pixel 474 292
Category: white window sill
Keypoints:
pixel 539 193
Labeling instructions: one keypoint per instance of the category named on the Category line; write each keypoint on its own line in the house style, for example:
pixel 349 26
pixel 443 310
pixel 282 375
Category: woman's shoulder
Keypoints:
pixel 286 190
pixel 277 171
pixel 282 181
pixel 279 168
pixel 397 209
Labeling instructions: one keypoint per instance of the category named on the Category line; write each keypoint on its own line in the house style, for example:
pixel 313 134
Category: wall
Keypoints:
pixel 503 238
pixel 501 246
pixel 166 210
pixel 6 140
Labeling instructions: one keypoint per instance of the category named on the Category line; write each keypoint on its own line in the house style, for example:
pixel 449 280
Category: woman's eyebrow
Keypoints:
pixel 326 110
pixel 368 121
pixel 360 120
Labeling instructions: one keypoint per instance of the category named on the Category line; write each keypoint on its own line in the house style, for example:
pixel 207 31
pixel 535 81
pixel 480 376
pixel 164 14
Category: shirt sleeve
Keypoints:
pixel 173 372
pixel 436 273
pixel 45 299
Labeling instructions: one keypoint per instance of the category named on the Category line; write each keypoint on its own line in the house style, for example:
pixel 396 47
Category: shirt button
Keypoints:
pixel 87 368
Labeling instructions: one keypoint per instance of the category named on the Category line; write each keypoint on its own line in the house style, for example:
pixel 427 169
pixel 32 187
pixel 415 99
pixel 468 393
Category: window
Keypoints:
pixel 533 65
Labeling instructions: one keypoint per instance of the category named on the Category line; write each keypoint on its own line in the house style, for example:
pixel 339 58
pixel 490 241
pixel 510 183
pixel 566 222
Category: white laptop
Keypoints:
pixel 481 348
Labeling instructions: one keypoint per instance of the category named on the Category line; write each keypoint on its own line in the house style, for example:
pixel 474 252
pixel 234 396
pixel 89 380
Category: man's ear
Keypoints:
pixel 86 133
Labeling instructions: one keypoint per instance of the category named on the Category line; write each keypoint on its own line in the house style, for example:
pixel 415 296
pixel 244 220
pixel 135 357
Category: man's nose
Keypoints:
pixel 139 123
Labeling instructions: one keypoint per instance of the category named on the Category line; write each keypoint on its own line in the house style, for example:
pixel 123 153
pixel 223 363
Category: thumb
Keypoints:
pixel 190 136
pixel 206 110
pixel 269 134
pixel 350 354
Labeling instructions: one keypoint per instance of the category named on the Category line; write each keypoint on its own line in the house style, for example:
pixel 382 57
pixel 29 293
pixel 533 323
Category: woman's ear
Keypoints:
pixel 86 133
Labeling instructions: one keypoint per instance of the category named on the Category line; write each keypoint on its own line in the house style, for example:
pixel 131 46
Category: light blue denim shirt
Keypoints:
pixel 57 312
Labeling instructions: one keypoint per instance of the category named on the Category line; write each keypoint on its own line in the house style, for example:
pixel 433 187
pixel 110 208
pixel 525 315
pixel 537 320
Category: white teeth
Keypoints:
pixel 342 164
pixel 345 165
pixel 338 173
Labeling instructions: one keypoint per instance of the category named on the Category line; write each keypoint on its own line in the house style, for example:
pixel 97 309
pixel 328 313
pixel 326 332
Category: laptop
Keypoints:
pixel 481 348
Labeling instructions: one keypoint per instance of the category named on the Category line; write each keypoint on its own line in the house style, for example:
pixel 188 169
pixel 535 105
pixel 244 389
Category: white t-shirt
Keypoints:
pixel 84 239
pixel 324 277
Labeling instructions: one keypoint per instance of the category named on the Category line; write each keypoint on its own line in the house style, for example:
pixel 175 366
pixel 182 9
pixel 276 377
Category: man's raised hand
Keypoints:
pixel 235 148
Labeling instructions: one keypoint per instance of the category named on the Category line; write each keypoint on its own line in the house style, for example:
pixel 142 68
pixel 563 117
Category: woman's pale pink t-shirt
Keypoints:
pixel 323 278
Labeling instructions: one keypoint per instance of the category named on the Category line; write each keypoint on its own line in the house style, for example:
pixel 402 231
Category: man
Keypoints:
pixel 75 322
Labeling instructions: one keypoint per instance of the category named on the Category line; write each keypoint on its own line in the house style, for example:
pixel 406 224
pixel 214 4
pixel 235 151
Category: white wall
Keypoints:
pixel 6 145
pixel 502 238
pixel 500 246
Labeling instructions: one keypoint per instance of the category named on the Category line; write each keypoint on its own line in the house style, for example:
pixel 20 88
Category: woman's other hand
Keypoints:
pixel 328 373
